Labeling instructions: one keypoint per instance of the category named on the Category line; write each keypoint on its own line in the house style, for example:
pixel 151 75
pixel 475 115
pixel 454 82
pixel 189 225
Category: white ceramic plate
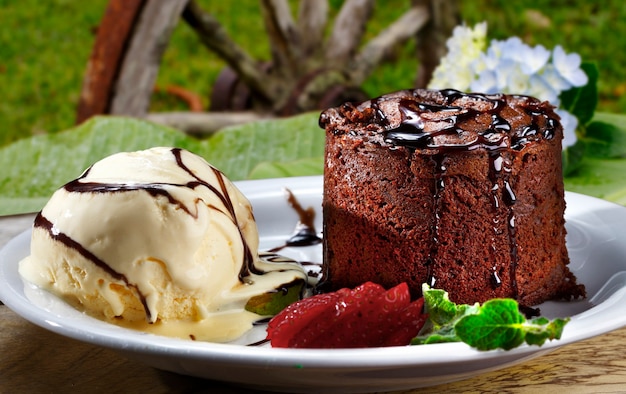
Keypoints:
pixel 597 246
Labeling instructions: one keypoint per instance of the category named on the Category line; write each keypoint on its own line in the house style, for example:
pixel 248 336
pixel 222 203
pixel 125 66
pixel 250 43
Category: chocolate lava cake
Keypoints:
pixel 460 191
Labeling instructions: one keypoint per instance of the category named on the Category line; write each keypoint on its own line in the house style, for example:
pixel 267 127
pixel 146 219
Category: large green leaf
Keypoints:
pixel 605 136
pixel 238 150
pixel 33 168
pixel 600 172
pixel 603 178
pixel 302 167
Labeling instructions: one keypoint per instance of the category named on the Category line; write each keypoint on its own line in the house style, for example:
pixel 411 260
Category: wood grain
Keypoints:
pixel 37 360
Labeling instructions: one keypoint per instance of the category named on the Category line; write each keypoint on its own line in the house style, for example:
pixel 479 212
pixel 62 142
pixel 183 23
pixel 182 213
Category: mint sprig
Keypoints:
pixel 496 324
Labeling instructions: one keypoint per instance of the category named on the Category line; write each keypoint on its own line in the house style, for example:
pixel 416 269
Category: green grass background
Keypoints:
pixel 45 45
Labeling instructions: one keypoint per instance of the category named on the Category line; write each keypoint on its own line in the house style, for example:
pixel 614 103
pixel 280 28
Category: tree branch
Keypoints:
pixel 214 36
pixel 312 18
pixel 203 124
pixel 348 31
pixel 320 84
pixel 374 52
pixel 283 36
pixel 114 34
pixel 431 41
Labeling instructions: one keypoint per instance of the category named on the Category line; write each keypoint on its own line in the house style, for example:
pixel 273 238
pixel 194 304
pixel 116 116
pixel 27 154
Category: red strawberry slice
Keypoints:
pixel 301 323
pixel 392 309
pixel 366 316
pixel 348 327
pixel 372 321
pixel 409 323
pixel 288 325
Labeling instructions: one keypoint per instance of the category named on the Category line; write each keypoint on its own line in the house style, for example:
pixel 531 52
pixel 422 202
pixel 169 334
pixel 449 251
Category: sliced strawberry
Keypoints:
pixel 347 327
pixel 366 327
pixel 300 323
pixel 388 311
pixel 409 323
pixel 291 322
pixel 366 316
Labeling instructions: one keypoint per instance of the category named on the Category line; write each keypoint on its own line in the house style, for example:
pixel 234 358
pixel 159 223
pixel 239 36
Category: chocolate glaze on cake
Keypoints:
pixel 460 191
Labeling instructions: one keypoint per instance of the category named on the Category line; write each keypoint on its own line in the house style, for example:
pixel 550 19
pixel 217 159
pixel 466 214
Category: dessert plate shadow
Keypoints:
pixel 596 243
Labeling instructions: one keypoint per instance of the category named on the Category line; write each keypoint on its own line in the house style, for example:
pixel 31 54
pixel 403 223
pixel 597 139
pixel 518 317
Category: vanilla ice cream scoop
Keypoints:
pixel 157 240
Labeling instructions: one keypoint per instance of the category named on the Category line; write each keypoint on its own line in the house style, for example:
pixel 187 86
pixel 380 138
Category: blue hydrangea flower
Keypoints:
pixel 509 66
pixel 568 67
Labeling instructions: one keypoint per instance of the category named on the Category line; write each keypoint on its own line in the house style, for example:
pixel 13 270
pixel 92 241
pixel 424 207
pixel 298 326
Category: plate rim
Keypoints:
pixel 435 354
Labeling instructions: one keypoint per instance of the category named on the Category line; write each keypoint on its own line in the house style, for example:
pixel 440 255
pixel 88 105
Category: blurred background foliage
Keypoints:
pixel 44 48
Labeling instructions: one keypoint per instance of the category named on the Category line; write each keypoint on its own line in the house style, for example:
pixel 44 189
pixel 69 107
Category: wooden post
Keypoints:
pixel 141 64
pixel 114 32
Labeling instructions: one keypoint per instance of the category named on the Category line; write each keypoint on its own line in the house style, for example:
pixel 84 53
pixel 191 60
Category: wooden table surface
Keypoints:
pixel 35 360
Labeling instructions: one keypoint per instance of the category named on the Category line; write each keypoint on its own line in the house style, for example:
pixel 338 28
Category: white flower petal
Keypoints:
pixel 485 83
pixel 569 123
pixel 539 88
pixel 517 83
pixel 554 79
pixel 464 47
pixel 568 66
pixel 534 59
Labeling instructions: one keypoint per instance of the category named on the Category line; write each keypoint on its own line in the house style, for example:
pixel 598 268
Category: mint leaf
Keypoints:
pixel 496 324
pixel 500 325
pixel 538 330
pixel 441 311
pixel 443 314
pixel 272 302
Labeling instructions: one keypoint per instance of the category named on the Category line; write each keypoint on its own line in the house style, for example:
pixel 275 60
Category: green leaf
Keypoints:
pixel 33 168
pixel 582 101
pixel 572 157
pixel 303 167
pixel 238 150
pixel 602 178
pixel 440 309
pixel 541 330
pixel 605 136
pixel 443 314
pixel 498 324
pixel 600 172
pixel 442 336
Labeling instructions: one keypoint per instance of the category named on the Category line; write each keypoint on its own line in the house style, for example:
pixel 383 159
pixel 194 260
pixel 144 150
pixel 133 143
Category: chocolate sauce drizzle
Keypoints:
pixel 412 133
pixel 304 233
pixel 248 266
pixel 42 222
pixel 154 189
